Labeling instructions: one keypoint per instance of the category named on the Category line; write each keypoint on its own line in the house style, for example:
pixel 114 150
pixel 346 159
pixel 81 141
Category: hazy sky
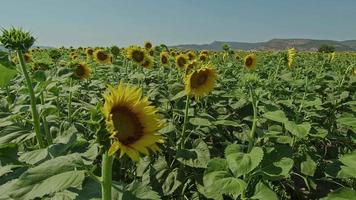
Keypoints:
pixel 124 22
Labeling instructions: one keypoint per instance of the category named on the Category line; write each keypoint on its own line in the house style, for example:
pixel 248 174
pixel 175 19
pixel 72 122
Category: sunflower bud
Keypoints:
pixel 16 39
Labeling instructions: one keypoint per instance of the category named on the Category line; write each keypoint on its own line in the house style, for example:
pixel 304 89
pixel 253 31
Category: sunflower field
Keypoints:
pixel 151 122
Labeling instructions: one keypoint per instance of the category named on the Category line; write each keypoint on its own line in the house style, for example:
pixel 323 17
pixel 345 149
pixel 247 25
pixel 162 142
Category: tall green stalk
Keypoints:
pixel 45 124
pixel 254 122
pixel 70 101
pixel 106 176
pixel 35 116
pixel 183 135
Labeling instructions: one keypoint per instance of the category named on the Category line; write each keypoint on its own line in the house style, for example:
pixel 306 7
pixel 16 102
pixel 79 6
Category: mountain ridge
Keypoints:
pixel 275 44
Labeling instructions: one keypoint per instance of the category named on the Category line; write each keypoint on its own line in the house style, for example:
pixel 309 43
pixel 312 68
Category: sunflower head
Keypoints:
pixel 102 56
pixel 237 57
pixel 132 121
pixel 173 53
pixel 203 57
pixel 27 57
pixel 191 65
pixel 206 52
pixel 191 55
pixel 164 58
pixel 200 82
pixel 89 52
pixel 81 70
pixel 115 50
pixel 136 54
pixel 148 45
pixel 181 61
pixel 147 62
pixel 250 61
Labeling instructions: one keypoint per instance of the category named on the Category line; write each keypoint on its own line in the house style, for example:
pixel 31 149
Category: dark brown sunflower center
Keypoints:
pixel 80 70
pixel 249 61
pixel 90 51
pixel 148 45
pixel 181 62
pixel 203 57
pixel 127 124
pixel 101 55
pixel 138 56
pixel 198 79
pixel 164 59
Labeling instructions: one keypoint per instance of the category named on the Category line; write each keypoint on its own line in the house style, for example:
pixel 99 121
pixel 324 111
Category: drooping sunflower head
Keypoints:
pixel 81 70
pixel 250 61
pixel 147 62
pixel 136 54
pixel 291 55
pixel 89 52
pixel 132 121
pixel 27 57
pixel 151 52
pixel 102 56
pixel 191 65
pixel 148 45
pixel 164 58
pixel 200 82
pixel 115 50
pixel 191 55
pixel 181 61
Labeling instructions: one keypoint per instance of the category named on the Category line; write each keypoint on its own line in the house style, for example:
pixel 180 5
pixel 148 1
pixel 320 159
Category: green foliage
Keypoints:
pixel 326 48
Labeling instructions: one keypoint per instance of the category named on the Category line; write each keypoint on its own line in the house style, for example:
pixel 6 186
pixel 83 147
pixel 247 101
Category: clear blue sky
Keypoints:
pixel 124 22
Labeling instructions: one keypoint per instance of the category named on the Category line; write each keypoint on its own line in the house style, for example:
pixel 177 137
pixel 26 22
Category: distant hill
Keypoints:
pixel 275 44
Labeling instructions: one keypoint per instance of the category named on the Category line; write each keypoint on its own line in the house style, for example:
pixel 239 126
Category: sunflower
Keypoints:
pixel 89 52
pixel 102 56
pixel 203 57
pixel 136 54
pixel 181 61
pixel 291 55
pixel 164 58
pixel 27 57
pixel 206 52
pixel 81 71
pixel 191 55
pixel 131 121
pixel 250 61
pixel 148 45
pixel 237 56
pixel 191 65
pixel 200 82
pixel 147 62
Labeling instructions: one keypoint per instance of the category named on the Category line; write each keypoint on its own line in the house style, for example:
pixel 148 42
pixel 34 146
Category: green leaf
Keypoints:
pixel 178 95
pixel 277 163
pixel 54 184
pixel 263 192
pixel 341 194
pixel 308 166
pixel 199 121
pixel 277 116
pixel 197 157
pixel 227 123
pixel 216 164
pixel 33 157
pixel 241 163
pixel 218 183
pixel 349 159
pixel 171 183
pixel 347 121
pixel 298 130
pixel 6 74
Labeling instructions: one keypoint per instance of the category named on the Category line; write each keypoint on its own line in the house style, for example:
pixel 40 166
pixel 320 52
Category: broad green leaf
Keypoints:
pixel 33 157
pixel 6 74
pixel 277 116
pixel 218 183
pixel 263 192
pixel 298 130
pixel 349 159
pixel 58 182
pixel 308 166
pixel 171 183
pixel 227 123
pixel 197 157
pixel 242 163
pixel 216 164
pixel 347 121
pixel 277 163
pixel 341 194
pixel 178 95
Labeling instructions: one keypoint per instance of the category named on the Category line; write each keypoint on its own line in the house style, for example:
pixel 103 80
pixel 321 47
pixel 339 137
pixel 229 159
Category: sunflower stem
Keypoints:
pixel 106 176
pixel 254 122
pixel 182 142
pixel 70 100
pixel 45 124
pixel 35 116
